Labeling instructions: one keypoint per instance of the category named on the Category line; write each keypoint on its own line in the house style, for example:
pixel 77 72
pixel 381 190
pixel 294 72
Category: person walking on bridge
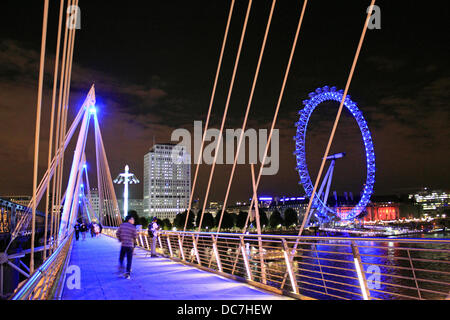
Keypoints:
pixel 83 229
pixel 77 228
pixel 153 232
pixel 126 234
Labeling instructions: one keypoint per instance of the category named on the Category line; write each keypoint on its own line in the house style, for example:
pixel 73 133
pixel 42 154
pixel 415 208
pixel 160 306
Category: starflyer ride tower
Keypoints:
pixel 126 178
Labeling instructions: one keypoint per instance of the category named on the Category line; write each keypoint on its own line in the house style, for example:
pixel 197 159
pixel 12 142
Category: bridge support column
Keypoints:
pixel 170 246
pixel 160 244
pixel 146 242
pixel 71 192
pixel 289 266
pixel 246 262
pixel 360 272
pixel 196 250
pixel 181 249
pixel 216 253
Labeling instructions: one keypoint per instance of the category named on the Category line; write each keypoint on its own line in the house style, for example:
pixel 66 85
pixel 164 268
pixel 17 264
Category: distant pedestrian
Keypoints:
pixel 154 232
pixel 127 235
pixel 77 228
pixel 83 229
pixel 96 229
pixel 92 229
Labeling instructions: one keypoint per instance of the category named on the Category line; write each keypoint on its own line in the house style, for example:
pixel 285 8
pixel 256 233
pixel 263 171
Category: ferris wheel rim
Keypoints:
pixel 316 98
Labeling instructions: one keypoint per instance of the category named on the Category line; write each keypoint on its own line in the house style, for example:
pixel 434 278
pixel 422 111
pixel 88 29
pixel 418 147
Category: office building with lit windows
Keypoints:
pixel 167 181
pixel 431 201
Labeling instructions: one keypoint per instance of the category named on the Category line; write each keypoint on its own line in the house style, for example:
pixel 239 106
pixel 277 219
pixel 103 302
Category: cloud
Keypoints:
pixel 409 126
pixel 128 125
pixel 386 64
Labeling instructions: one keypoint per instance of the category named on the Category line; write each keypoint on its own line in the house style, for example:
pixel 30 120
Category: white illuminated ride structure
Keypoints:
pixel 126 178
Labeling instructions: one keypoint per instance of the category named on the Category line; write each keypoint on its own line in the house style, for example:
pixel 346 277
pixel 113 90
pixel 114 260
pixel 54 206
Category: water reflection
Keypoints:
pixel 326 269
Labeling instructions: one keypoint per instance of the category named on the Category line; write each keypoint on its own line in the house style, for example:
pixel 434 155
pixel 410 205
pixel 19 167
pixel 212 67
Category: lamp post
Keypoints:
pixel 126 178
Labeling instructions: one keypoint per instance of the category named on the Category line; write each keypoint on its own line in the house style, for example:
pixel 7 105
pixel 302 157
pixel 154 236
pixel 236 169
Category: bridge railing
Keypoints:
pixel 46 282
pixel 317 267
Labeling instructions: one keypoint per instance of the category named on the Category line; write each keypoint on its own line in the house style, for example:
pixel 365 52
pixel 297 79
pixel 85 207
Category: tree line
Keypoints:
pixel 229 221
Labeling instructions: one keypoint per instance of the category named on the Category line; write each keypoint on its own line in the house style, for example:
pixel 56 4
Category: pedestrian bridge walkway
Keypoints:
pixel 151 278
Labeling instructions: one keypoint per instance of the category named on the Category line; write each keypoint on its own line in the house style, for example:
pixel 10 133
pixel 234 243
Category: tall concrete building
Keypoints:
pixel 95 204
pixel 95 201
pixel 167 183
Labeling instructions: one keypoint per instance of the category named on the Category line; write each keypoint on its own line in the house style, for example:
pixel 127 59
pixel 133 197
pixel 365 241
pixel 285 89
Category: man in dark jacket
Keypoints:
pixel 77 228
pixel 126 235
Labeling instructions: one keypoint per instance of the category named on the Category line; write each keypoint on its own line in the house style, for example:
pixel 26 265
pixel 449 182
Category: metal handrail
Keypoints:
pixel 41 283
pixel 238 256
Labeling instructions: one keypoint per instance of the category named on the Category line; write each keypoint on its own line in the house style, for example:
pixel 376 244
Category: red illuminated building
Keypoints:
pixel 380 209
pixel 382 212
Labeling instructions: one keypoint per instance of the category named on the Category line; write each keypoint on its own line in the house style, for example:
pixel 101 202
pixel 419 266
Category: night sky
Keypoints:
pixel 153 67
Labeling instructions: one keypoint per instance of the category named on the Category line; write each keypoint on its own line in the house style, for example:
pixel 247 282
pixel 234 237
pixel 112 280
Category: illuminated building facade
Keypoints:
pixel 167 184
pixel 281 204
pixel 431 202
pixel 95 201
pixel 22 200
pixel 380 208
pixel 383 212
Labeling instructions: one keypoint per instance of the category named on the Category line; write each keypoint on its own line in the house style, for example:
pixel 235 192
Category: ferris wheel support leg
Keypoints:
pixel 330 178
pixel 326 181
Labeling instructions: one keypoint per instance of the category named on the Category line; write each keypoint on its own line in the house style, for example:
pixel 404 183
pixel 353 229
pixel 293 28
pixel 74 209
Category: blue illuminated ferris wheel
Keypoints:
pixel 320 207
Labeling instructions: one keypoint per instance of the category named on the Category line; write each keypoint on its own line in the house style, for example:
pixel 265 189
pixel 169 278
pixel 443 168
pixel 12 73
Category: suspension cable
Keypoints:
pixel 63 106
pixel 37 134
pixel 230 91
pixel 52 120
pixel 244 125
pixel 280 99
pixel 57 190
pixel 338 116
pixel 219 66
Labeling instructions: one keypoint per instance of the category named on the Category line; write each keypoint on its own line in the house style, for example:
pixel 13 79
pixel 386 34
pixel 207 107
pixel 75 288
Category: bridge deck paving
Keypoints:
pixel 151 278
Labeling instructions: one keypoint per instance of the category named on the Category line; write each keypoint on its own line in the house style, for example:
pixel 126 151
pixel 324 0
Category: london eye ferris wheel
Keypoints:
pixel 320 206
